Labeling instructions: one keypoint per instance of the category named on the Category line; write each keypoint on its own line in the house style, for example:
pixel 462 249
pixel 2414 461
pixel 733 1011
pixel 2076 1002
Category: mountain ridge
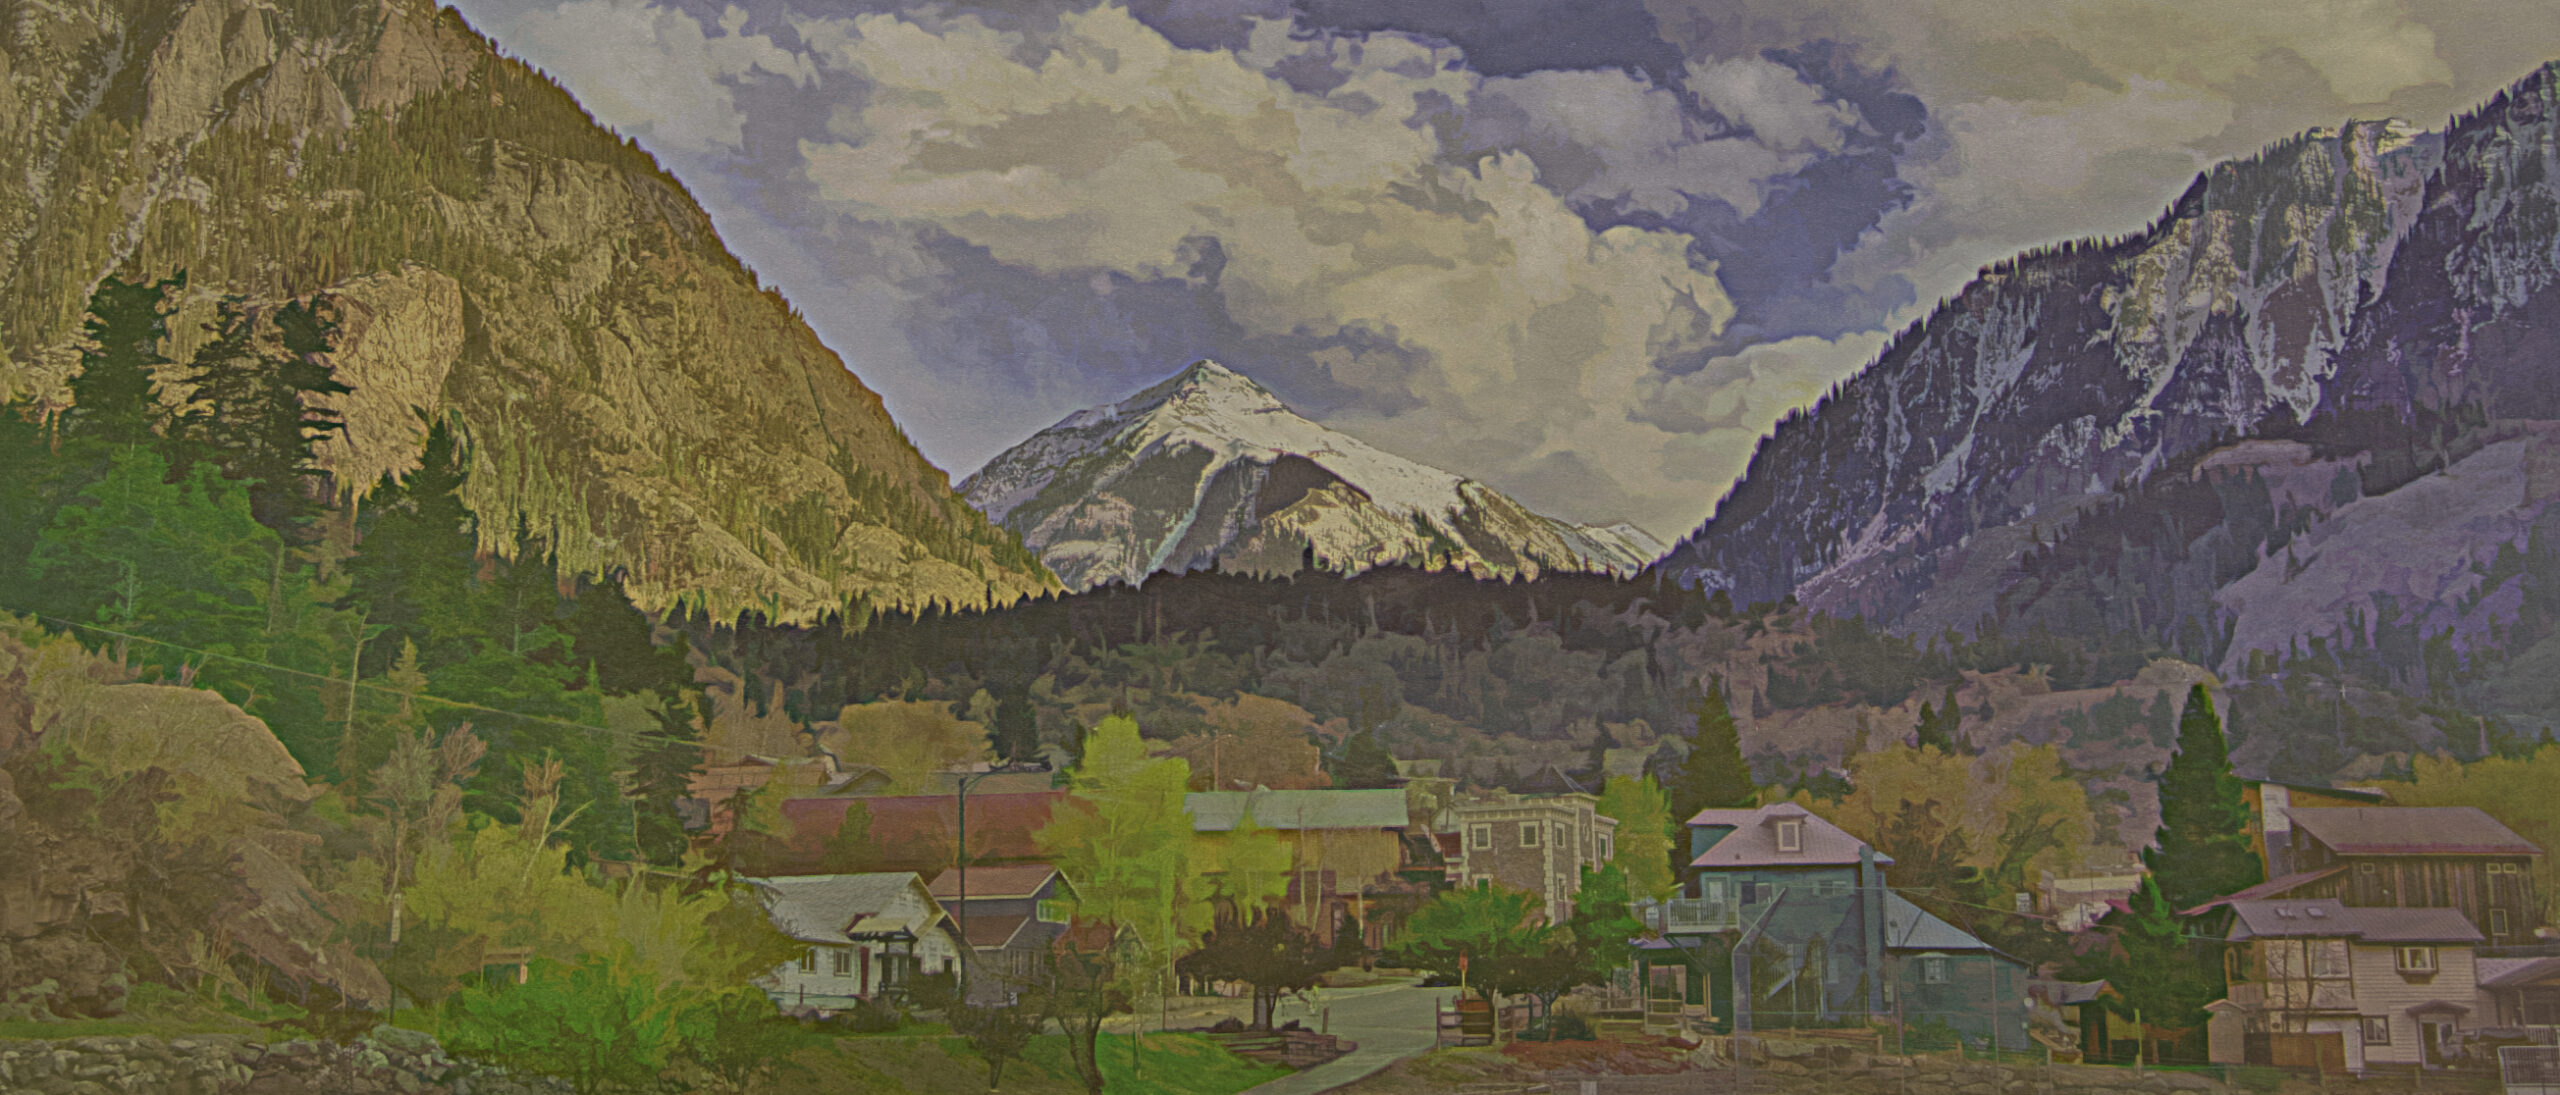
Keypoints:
pixel 628 394
pixel 1209 469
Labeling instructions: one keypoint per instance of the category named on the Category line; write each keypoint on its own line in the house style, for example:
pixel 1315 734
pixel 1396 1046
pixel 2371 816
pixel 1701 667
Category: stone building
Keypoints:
pixel 1535 843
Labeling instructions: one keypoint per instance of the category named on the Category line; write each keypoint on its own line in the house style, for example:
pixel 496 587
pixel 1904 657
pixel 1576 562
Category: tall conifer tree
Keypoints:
pixel 2202 851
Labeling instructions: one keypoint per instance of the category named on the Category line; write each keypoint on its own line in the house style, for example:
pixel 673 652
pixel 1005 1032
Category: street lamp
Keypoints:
pixel 968 950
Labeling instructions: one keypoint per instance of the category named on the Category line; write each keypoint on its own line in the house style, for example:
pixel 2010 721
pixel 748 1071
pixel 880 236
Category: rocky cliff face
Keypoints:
pixel 2311 411
pixel 1209 470
pixel 2059 375
pixel 628 392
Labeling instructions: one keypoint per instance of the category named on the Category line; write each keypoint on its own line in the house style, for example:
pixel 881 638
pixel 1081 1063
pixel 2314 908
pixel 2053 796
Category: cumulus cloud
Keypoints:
pixel 653 72
pixel 1588 252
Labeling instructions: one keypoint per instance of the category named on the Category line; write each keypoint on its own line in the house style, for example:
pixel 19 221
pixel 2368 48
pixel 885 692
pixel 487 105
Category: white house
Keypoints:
pixel 2320 983
pixel 865 933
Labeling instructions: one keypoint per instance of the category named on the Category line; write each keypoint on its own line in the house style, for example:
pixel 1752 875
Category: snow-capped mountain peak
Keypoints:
pixel 1209 468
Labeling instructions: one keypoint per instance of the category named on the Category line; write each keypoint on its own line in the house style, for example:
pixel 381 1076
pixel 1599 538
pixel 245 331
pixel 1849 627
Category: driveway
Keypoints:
pixel 1388 1022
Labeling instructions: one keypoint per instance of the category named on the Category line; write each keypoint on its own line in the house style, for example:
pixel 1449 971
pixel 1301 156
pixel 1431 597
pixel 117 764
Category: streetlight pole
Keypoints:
pixel 968 950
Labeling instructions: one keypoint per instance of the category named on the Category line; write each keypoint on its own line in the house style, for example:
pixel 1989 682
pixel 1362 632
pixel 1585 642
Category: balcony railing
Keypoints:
pixel 1690 915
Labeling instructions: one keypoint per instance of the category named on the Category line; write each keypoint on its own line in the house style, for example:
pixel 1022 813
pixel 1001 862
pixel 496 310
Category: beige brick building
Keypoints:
pixel 1536 843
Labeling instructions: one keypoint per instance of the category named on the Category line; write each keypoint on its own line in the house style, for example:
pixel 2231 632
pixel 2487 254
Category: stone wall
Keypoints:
pixel 390 1062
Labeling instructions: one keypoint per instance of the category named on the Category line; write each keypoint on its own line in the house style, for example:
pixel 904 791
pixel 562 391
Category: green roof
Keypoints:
pixel 1220 811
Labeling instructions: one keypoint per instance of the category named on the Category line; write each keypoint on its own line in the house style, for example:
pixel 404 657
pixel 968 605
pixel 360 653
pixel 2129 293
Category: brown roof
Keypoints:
pixel 2410 830
pixel 995 931
pixel 992 883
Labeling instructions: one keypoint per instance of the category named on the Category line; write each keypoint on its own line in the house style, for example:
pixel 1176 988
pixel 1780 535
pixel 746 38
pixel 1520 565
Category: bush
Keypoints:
pixel 871 1017
pixel 1569 1026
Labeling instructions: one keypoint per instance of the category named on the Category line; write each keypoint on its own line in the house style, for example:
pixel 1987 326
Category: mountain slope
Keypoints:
pixel 2307 422
pixel 2054 378
pixel 1208 469
pixel 628 394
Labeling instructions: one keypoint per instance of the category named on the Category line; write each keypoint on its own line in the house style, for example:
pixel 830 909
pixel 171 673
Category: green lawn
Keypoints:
pixel 1168 1064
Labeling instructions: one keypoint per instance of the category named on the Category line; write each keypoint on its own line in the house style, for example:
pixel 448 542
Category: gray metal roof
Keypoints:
pixel 1908 927
pixel 2327 918
pixel 1221 811
pixel 2410 830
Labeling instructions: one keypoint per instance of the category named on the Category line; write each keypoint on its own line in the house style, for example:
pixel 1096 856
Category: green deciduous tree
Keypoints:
pixel 600 1024
pixel 1125 836
pixel 176 561
pixel 1492 939
pixel 1644 840
pixel 1267 952
pixel 2202 851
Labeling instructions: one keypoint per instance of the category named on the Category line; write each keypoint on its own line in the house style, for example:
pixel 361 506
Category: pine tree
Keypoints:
pixel 1364 764
pixel 2153 964
pixel 1940 728
pixel 1714 775
pixel 2202 850
pixel 252 417
pixel 413 571
pixel 112 397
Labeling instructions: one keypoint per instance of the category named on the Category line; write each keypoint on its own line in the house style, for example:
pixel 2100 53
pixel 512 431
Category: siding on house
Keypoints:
pixel 2381 990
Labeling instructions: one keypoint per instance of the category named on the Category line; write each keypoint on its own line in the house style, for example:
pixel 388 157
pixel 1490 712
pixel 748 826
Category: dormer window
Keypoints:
pixel 1791 836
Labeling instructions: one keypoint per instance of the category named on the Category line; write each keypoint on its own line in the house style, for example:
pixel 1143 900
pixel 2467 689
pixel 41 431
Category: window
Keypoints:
pixel 2328 959
pixel 1529 831
pixel 1605 853
pixel 844 962
pixel 2497 921
pixel 2377 1030
pixel 1053 911
pixel 1933 971
pixel 1564 836
pixel 2417 959
pixel 809 961
pixel 1791 836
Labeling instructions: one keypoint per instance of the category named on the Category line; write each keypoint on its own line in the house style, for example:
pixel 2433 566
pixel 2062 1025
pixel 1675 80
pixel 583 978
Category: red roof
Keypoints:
pixel 924 828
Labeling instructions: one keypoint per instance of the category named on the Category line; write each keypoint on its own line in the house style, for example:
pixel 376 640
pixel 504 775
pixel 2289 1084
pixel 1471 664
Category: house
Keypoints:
pixel 1535 843
pixel 2318 983
pixel 2271 805
pixel 2077 901
pixel 865 934
pixel 1009 914
pixel 1939 976
pixel 1796 887
pixel 2520 992
pixel 1346 849
pixel 2454 857
pixel 1797 909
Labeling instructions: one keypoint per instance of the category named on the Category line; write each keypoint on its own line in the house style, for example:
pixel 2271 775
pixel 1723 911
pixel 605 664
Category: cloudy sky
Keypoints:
pixel 1587 252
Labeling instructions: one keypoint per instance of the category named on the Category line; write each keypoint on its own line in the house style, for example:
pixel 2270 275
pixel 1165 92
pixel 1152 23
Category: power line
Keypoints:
pixel 626 736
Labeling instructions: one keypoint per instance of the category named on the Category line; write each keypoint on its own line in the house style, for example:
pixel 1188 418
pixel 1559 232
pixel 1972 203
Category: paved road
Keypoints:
pixel 1389 1022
